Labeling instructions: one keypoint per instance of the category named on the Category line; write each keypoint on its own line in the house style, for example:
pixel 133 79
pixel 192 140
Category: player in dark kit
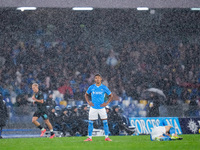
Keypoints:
pixel 41 110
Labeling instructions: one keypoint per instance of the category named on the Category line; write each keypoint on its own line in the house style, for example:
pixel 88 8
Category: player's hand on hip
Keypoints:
pixel 104 104
pixel 91 104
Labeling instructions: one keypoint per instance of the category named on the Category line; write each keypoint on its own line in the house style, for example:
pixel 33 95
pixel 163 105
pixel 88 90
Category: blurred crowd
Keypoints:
pixel 70 70
pixel 57 63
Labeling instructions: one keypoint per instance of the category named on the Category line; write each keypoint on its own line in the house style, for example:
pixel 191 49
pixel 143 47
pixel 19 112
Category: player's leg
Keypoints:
pixel 171 130
pixel 47 122
pixel 106 129
pixel 103 116
pixel 93 115
pixel 37 115
pixel 37 124
pixel 162 138
pixel 90 128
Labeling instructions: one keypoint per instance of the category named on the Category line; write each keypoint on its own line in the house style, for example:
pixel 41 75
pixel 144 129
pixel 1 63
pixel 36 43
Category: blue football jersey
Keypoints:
pixel 98 94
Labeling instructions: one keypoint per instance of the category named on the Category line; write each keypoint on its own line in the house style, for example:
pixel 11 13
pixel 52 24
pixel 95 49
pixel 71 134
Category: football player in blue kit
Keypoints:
pixel 97 105
pixel 163 132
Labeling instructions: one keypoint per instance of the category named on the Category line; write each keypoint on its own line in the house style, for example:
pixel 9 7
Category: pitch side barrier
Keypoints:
pixel 144 125
pixel 190 125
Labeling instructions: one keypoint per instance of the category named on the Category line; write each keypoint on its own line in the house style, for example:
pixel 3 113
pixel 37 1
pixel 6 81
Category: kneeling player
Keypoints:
pixel 41 111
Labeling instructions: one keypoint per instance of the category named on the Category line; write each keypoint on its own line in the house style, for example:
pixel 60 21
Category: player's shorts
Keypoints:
pixel 93 113
pixel 41 114
pixel 157 131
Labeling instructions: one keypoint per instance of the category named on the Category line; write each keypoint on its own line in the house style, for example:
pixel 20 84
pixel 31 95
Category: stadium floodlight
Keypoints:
pixel 142 8
pixel 82 8
pixel 197 9
pixel 26 8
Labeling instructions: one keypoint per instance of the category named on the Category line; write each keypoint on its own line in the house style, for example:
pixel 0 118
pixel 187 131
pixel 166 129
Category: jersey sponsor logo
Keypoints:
pixel 97 93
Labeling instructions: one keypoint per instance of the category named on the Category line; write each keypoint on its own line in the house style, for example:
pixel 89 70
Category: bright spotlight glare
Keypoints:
pixel 82 8
pixel 142 8
pixel 26 8
pixel 195 9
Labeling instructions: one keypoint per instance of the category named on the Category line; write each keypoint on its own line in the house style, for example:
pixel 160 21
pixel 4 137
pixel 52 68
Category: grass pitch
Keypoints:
pixel 189 142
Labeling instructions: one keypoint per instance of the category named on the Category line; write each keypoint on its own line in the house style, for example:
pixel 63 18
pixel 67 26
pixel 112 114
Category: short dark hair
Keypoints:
pixel 97 74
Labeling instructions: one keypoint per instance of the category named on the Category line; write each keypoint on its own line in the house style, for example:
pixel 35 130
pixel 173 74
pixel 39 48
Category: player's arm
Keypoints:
pixel 37 100
pixel 87 99
pixel 109 100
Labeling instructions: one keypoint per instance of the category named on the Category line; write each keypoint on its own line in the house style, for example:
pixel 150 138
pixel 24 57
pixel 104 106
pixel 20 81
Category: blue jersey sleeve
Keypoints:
pixel 89 90
pixel 107 91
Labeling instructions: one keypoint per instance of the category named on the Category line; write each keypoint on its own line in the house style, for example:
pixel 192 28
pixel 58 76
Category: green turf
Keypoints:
pixel 190 142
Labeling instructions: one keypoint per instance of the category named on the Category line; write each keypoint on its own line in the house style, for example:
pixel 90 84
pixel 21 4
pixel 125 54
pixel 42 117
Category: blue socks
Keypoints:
pixel 105 126
pixel 90 128
pixel 151 138
pixel 172 131
pixel 165 138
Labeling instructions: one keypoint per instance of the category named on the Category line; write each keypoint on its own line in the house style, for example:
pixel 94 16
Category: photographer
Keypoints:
pixel 116 122
pixel 83 121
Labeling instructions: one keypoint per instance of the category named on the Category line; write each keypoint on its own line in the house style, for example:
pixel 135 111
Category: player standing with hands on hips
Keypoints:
pixel 97 105
pixel 41 110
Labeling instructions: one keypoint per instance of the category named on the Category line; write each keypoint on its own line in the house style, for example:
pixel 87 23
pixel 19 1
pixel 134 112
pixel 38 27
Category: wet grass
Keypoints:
pixel 189 142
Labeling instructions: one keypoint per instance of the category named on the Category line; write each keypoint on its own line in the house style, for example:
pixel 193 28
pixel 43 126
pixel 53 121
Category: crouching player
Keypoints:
pixel 163 133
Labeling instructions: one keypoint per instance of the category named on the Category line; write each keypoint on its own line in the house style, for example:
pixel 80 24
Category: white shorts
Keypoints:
pixel 93 113
pixel 157 131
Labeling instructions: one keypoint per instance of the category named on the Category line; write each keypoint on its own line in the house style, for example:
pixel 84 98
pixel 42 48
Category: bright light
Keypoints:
pixel 26 8
pixel 82 8
pixel 142 8
pixel 195 8
pixel 152 11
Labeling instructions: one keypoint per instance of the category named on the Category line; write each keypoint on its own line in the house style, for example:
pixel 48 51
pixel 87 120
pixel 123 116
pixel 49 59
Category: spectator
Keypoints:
pixel 84 114
pixel 153 106
pixel 112 60
pixel 49 101
pixel 116 122
pixel 74 121
pixel 65 90
pixel 65 122
pixel 3 114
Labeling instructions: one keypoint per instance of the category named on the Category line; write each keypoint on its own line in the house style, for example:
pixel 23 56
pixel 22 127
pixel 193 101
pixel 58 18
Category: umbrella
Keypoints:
pixel 158 91
pixel 147 93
